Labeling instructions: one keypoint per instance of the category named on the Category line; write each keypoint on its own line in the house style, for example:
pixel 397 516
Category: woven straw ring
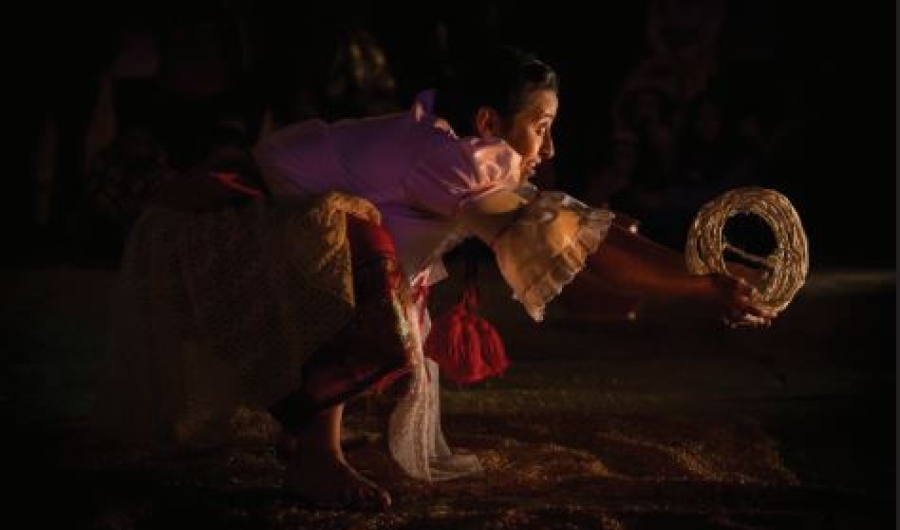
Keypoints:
pixel 788 263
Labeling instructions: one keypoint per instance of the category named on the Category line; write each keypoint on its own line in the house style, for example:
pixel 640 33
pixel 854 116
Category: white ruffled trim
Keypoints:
pixel 415 437
pixel 569 262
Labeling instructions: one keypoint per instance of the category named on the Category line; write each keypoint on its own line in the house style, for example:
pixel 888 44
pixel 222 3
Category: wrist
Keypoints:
pixel 702 288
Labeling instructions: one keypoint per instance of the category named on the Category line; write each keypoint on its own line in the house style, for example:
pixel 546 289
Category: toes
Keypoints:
pixel 383 500
pixel 372 497
pixel 342 487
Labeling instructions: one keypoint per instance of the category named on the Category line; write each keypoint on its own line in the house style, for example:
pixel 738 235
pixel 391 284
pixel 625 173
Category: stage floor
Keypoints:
pixel 667 421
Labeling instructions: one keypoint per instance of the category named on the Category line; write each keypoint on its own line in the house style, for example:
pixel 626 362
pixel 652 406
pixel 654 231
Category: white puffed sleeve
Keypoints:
pixel 464 170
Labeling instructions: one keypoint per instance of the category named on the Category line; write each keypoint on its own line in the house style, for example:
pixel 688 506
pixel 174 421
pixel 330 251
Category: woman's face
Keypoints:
pixel 529 132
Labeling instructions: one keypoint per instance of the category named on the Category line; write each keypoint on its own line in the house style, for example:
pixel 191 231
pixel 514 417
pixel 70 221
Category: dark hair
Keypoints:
pixel 502 78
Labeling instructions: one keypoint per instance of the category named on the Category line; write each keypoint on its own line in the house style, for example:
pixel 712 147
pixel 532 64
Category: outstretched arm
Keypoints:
pixel 626 262
pixel 630 263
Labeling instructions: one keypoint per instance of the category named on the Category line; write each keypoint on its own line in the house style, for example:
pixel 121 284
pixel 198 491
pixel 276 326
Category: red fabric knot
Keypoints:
pixel 467 347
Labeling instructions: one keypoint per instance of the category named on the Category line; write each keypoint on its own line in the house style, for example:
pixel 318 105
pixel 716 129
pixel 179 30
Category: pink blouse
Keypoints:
pixel 415 172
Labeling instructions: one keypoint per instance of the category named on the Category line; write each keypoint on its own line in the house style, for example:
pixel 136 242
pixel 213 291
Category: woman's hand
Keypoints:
pixel 756 277
pixel 734 299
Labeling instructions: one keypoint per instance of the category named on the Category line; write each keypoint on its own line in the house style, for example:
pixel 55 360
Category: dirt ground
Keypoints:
pixel 668 421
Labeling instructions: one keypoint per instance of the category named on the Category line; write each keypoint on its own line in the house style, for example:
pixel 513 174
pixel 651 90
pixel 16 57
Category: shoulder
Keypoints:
pixel 461 169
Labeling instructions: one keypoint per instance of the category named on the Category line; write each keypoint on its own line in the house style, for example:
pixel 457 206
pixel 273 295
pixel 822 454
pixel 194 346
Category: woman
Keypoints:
pixel 279 302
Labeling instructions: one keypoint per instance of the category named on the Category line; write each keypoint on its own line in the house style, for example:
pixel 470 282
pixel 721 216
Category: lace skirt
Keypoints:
pixel 234 310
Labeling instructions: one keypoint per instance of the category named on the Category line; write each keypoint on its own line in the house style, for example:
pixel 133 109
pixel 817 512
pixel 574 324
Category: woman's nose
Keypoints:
pixel 547 149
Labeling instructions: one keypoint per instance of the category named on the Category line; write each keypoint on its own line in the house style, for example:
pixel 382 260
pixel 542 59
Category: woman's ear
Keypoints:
pixel 487 122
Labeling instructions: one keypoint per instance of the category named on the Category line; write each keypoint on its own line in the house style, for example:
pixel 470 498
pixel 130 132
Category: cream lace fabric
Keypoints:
pixel 547 246
pixel 208 316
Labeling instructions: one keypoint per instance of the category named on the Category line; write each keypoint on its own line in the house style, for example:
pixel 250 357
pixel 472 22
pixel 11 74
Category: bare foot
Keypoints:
pixel 317 470
pixel 328 480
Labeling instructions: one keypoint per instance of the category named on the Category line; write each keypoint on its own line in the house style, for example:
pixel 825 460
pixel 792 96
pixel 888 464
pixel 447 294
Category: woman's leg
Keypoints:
pixel 371 351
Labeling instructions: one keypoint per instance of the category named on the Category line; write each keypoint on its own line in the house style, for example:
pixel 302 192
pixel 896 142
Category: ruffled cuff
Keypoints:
pixel 548 246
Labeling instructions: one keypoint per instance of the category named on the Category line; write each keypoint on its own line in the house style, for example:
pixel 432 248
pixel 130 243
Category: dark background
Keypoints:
pixel 827 70
pixel 817 386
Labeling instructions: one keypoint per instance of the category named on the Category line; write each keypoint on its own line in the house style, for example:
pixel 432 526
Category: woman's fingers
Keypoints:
pixel 752 275
pixel 743 309
pixel 747 322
